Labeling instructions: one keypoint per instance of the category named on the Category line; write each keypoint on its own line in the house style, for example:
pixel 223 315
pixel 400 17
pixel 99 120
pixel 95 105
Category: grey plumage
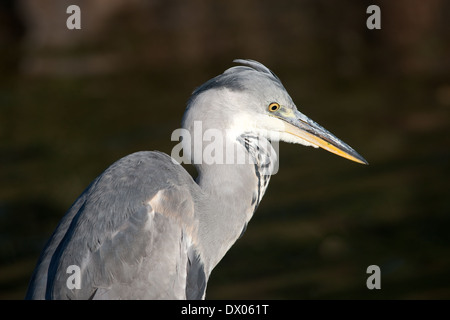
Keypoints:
pixel 112 232
pixel 144 229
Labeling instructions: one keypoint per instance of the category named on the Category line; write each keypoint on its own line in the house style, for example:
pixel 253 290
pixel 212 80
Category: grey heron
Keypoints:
pixel 145 229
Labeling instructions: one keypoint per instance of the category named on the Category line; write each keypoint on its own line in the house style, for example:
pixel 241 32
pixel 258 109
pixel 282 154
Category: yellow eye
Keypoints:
pixel 274 107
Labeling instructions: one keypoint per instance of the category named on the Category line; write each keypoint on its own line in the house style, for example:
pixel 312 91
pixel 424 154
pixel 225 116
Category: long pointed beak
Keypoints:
pixel 304 128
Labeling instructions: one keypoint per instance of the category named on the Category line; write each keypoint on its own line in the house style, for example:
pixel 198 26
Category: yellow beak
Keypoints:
pixel 304 128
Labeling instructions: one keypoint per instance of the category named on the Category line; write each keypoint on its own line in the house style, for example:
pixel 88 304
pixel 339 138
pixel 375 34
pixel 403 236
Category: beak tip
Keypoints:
pixel 358 158
pixel 364 161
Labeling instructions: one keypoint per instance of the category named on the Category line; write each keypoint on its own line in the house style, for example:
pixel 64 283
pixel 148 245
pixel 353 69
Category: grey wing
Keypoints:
pixel 128 242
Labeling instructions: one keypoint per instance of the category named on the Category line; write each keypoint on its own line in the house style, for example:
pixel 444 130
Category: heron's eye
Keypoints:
pixel 274 107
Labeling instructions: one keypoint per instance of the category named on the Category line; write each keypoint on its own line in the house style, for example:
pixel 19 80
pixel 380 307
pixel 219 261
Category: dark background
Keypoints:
pixel 74 101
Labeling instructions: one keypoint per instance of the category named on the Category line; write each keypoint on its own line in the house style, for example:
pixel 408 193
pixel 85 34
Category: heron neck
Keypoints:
pixel 231 193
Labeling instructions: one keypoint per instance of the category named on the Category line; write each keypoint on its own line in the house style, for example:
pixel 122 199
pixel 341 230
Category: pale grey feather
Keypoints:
pixel 113 234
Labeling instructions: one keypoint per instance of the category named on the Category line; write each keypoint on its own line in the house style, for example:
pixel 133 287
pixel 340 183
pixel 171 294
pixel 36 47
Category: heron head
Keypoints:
pixel 250 98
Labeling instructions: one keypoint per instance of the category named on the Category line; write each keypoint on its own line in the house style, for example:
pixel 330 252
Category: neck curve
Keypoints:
pixel 230 195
